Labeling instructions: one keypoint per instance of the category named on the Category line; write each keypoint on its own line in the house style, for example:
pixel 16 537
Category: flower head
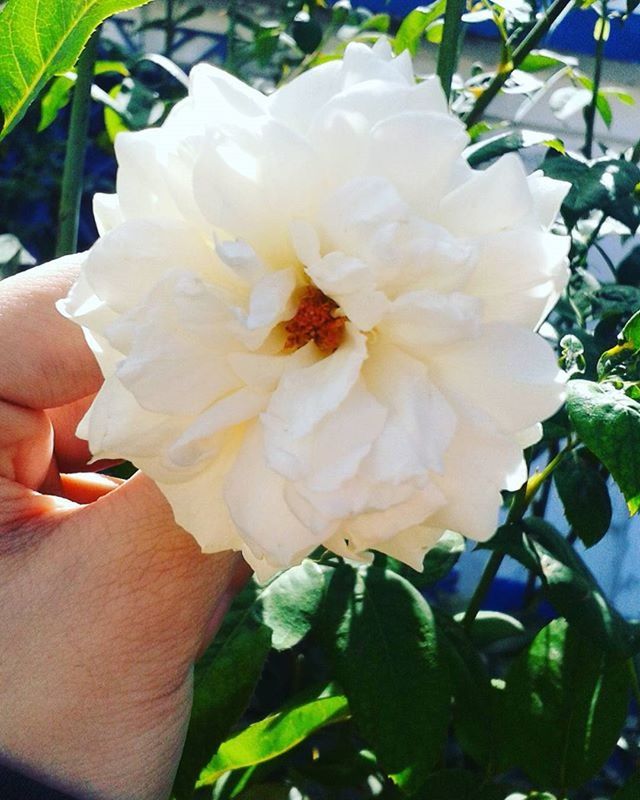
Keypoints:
pixel 315 320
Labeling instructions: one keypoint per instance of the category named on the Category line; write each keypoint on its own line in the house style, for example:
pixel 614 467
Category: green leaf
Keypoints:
pixel 567 583
pixel 538 60
pixel 460 784
pixel 575 593
pixel 224 681
pixel 608 422
pixel 584 495
pixel 40 40
pixel 274 735
pixel 565 704
pixel 492 626
pixel 440 560
pixel 476 712
pixel 631 790
pixel 631 331
pixel 608 185
pixel 58 94
pixel 509 142
pixel 290 603
pixel 389 662
pixel 415 24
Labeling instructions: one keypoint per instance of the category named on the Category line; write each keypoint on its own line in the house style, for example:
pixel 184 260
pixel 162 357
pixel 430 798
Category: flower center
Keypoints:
pixel 316 320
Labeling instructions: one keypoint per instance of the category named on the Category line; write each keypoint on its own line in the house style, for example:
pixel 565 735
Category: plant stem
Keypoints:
pixel 448 50
pixel 590 112
pixel 72 176
pixel 486 579
pixel 519 506
pixel 635 686
pixel 519 54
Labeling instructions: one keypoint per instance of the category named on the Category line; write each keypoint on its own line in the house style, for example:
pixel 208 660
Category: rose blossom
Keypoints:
pixel 315 320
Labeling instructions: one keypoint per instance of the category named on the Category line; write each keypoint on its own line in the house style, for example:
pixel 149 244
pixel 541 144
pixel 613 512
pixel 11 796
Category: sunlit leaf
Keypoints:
pixel 274 735
pixel 40 40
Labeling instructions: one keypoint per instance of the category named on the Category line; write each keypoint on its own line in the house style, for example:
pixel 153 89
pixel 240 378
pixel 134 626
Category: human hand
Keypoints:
pixel 105 601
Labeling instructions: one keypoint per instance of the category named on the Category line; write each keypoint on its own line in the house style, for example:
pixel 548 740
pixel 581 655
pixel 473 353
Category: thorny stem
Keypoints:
pixel 73 172
pixel 519 54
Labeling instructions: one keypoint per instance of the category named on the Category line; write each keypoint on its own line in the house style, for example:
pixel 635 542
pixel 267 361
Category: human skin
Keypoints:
pixel 105 601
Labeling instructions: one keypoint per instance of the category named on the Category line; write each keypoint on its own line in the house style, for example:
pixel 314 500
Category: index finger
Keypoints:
pixel 44 359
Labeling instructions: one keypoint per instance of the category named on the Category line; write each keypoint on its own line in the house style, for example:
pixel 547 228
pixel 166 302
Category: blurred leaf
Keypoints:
pixel 608 422
pixel 565 704
pixel 492 626
pixel 274 735
pixel 503 143
pixel 460 784
pixel 538 60
pixel 58 94
pixel 224 681
pixel 631 789
pixel 55 98
pixel 38 41
pixel 307 32
pixel 13 255
pixel 414 25
pixel 389 662
pixel 584 495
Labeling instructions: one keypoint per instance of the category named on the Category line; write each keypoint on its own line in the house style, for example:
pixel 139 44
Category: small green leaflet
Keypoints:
pixel 41 39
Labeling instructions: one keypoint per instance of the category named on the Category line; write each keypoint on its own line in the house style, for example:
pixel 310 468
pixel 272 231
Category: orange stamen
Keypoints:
pixel 315 320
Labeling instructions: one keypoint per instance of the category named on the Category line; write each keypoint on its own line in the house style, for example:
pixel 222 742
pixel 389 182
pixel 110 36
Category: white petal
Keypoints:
pixel 333 451
pixel 306 396
pixel 222 97
pixel 117 427
pixel 421 321
pixel 417 150
pixel 298 101
pixel 255 497
pixel 106 212
pixel 138 254
pixel 262 372
pixel 201 440
pixel 548 195
pixel 411 545
pixel 520 275
pixel 353 213
pixel 479 463
pixel 509 372
pixel 492 200
pixel 420 422
pixel 198 505
pixel 369 529
pixel 270 300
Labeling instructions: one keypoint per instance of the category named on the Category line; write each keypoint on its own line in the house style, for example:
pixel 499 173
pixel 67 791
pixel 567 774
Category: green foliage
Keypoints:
pixel 608 422
pixel 565 701
pixel 224 681
pixel 415 25
pixel 274 735
pixel 608 185
pixel 51 35
pixel 585 496
pixel 386 647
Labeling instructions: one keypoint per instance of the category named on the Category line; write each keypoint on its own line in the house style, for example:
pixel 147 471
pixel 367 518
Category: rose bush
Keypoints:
pixel 315 320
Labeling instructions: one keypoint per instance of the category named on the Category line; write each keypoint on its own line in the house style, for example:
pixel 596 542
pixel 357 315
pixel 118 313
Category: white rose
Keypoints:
pixel 315 320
